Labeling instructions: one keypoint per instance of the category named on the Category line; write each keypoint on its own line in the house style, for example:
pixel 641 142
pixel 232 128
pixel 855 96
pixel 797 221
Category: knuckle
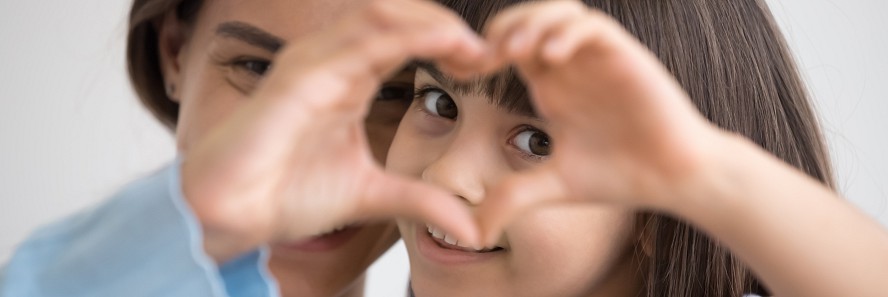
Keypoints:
pixel 450 18
pixel 566 8
pixel 335 92
pixel 596 14
pixel 576 5
pixel 379 9
pixel 445 38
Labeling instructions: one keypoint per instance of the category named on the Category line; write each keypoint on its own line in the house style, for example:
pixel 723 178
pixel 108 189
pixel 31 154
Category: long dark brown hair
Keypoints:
pixel 732 59
pixel 728 55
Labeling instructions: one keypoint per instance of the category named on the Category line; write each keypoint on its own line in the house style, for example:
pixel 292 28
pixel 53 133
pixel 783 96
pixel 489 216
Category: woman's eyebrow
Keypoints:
pixel 507 94
pixel 251 35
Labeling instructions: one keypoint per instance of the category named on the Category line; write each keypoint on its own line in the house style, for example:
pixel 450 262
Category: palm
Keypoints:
pixel 294 161
pixel 268 172
pixel 637 130
pixel 623 129
pixel 331 172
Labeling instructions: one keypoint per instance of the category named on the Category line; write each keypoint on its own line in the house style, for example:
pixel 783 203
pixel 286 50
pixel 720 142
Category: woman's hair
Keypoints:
pixel 732 60
pixel 143 57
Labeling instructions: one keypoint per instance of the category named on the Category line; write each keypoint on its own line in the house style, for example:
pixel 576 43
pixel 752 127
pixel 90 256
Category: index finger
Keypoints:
pixel 517 195
pixel 390 197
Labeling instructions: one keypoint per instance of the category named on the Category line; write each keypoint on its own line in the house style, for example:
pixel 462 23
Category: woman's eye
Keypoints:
pixel 255 67
pixel 440 104
pixel 395 93
pixel 533 142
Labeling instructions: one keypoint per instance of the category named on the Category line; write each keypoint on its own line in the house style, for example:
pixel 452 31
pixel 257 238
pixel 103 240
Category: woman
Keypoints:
pixel 236 56
pixel 283 162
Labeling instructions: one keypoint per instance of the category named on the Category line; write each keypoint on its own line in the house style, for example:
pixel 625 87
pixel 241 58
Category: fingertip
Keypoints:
pixel 492 233
pixel 490 63
pixel 515 196
pixel 463 225
pixel 554 51
pixel 491 216
pixel 462 69
pixel 458 72
pixel 429 204
pixel 475 44
pixel 495 34
pixel 517 42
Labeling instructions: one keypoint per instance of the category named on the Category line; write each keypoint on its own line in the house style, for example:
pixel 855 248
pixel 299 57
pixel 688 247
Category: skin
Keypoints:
pixel 572 251
pixel 301 135
pixel 613 105
pixel 219 76
pixel 341 272
pixel 213 88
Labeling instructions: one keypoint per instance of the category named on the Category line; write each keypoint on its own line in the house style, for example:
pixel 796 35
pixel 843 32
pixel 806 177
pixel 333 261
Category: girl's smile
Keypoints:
pixel 464 139
pixel 448 241
pixel 445 250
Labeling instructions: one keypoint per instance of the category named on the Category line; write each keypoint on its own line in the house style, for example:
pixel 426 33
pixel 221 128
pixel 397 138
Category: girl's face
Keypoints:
pixel 215 65
pixel 461 141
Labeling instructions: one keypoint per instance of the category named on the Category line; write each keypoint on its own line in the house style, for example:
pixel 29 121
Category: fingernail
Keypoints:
pixel 552 50
pixel 516 43
pixel 476 42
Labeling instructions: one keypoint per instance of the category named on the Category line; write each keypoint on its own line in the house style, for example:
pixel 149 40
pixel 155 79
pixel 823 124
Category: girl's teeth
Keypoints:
pixel 334 230
pixel 449 239
pixel 438 233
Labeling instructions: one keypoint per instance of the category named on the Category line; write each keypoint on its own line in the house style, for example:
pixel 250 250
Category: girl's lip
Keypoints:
pixel 430 248
pixel 327 242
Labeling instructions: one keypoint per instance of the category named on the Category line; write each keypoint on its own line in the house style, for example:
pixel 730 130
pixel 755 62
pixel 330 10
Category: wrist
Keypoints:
pixel 225 236
pixel 716 188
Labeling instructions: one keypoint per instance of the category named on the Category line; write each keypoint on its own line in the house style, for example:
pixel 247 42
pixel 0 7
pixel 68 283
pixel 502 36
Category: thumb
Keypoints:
pixel 516 195
pixel 390 196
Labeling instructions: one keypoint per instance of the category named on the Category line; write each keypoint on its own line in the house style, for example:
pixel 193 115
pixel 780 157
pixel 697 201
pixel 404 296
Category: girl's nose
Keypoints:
pixel 461 172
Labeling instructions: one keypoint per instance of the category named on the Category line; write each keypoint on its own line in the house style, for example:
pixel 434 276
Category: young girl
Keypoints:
pixel 623 132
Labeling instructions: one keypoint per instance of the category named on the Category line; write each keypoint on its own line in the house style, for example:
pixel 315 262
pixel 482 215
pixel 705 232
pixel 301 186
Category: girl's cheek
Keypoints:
pixel 569 241
pixel 411 149
pixel 426 125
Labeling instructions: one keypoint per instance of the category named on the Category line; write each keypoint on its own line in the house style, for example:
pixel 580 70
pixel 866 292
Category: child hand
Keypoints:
pixel 623 129
pixel 294 162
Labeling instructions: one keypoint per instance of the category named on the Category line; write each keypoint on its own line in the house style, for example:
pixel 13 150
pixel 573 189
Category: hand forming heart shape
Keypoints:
pixel 296 159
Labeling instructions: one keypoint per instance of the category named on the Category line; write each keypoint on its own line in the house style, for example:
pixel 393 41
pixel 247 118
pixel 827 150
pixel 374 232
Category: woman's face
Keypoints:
pixel 464 143
pixel 217 62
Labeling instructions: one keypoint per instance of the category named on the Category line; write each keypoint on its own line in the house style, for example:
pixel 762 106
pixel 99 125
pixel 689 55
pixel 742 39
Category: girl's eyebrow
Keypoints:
pixel 503 90
pixel 461 87
pixel 251 35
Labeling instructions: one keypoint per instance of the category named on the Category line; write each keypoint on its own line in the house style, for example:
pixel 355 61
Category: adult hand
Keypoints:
pixel 623 129
pixel 294 162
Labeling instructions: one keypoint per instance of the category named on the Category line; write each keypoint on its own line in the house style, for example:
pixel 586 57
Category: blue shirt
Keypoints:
pixel 145 241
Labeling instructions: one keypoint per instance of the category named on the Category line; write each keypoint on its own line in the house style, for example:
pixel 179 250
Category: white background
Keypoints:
pixel 71 130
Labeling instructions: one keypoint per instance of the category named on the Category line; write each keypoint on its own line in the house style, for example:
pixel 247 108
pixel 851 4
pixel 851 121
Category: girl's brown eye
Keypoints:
pixel 533 142
pixel 440 104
